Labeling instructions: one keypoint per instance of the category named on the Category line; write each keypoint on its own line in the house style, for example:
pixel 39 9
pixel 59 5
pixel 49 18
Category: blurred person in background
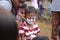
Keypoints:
pixel 16 5
pixel 41 9
pixel 8 26
pixel 55 18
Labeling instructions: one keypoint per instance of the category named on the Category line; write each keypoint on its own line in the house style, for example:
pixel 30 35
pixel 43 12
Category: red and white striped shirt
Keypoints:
pixel 29 33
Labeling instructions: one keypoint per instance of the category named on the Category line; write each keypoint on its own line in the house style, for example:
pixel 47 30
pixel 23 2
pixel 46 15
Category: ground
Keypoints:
pixel 45 29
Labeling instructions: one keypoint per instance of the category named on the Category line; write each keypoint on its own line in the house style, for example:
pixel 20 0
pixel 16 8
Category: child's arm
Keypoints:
pixel 21 33
pixel 38 30
pixel 38 33
pixel 22 37
pixel 24 19
pixel 17 21
pixel 22 16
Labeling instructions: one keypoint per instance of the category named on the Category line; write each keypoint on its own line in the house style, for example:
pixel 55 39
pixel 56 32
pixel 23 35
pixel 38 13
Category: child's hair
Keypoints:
pixel 41 38
pixel 30 9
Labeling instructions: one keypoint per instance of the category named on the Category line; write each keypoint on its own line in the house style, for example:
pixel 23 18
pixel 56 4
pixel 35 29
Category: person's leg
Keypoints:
pixel 41 13
pixel 37 13
pixel 42 19
pixel 55 23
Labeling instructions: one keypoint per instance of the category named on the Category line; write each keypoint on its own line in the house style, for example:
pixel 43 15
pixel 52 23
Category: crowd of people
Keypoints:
pixel 18 21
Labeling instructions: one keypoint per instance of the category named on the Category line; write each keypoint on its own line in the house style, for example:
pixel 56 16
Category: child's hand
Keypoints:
pixel 25 23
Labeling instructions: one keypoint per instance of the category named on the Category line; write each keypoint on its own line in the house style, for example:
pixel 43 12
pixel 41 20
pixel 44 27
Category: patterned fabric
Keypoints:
pixel 55 24
pixel 29 33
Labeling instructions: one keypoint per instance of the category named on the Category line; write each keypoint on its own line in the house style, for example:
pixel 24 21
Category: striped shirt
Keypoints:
pixel 29 33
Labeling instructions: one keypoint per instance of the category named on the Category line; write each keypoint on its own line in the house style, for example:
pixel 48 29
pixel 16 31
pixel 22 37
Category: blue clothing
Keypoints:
pixel 55 5
pixel 50 7
pixel 41 7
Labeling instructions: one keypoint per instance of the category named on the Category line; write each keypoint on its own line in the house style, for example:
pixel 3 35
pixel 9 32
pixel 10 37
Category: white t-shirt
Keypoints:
pixel 34 3
pixel 6 5
pixel 56 5
pixel 7 0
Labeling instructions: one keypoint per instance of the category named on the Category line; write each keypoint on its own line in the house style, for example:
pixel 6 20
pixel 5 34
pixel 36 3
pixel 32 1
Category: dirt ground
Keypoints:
pixel 45 29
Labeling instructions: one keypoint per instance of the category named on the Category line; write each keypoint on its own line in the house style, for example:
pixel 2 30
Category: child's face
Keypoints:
pixel 30 18
pixel 22 10
pixel 31 15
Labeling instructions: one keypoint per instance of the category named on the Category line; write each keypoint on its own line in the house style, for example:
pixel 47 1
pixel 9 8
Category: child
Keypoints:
pixel 20 14
pixel 31 30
